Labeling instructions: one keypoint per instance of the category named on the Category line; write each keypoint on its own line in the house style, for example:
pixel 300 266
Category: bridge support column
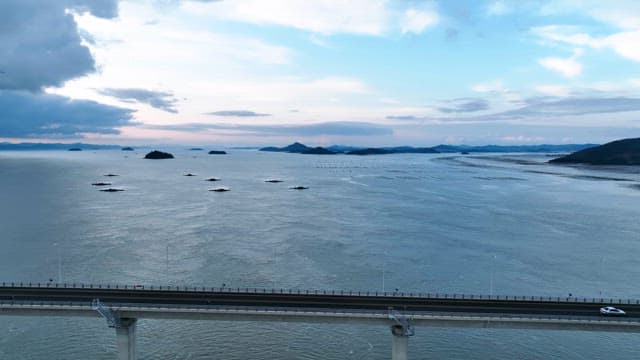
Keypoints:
pixel 399 343
pixel 126 339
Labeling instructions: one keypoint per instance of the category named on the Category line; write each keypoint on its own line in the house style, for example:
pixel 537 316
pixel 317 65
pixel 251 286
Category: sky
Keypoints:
pixel 358 72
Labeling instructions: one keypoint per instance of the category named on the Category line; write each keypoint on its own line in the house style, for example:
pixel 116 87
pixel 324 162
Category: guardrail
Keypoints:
pixel 396 294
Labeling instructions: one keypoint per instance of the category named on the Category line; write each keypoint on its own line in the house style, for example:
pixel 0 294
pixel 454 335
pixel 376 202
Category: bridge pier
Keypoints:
pixel 126 339
pixel 399 342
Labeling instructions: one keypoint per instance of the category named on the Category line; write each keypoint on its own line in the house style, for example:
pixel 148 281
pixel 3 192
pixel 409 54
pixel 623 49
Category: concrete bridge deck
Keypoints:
pixel 401 311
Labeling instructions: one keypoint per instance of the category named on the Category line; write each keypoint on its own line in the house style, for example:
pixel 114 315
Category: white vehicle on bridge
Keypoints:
pixel 611 311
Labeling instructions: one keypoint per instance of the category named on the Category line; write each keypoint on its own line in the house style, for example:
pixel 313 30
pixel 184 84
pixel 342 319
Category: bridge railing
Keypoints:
pixel 395 294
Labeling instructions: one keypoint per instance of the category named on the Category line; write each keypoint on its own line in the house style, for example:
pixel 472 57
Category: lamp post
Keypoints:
pixel 493 259
pixel 59 263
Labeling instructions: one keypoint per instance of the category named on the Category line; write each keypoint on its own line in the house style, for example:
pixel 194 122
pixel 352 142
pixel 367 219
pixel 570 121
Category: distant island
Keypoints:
pixel 300 148
pixel 127 148
pixel 217 152
pixel 156 155
pixel 319 151
pixel 619 152
pixel 75 149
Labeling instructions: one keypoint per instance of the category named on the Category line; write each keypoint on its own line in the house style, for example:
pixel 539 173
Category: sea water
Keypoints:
pixel 443 223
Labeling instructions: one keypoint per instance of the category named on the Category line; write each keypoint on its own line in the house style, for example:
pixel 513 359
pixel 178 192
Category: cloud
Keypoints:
pixel 337 128
pixel 498 8
pixel 29 115
pixel 237 113
pixel 465 106
pixel 554 90
pixel 496 86
pixel 365 17
pixel 157 99
pixel 39 42
pixel 416 21
pixel 402 117
pixel 623 43
pixel 553 107
pixel 325 17
pixel 567 67
pixel 623 14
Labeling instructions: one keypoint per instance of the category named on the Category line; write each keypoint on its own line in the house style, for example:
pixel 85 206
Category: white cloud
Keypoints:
pixel 553 90
pixel 416 21
pixel 324 17
pixel 368 17
pixel 498 8
pixel 567 67
pixel 623 43
pixel 626 44
pixel 491 86
pixel 624 14
pixel 573 35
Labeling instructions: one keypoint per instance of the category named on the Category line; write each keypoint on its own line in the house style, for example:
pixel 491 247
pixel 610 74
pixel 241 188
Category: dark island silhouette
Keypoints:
pixel 156 155
pixel 127 148
pixel 296 147
pixel 101 183
pixel 75 149
pixel 217 152
pixel 300 148
pixel 220 189
pixel 319 151
pixel 369 151
pixel 619 152
pixel 212 179
pixel 111 190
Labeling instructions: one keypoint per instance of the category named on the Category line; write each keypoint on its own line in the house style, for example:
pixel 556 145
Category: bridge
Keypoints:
pixel 123 305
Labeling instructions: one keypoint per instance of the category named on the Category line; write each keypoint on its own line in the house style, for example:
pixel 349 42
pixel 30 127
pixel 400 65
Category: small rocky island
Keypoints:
pixel 156 155
pixel 619 152
pixel 220 189
pixel 217 152
pixel 127 148
pixel 112 190
pixel 101 183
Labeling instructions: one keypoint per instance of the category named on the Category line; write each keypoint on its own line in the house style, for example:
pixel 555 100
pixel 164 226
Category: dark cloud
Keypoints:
pixel 40 46
pixel 24 114
pixel 339 128
pixel 545 107
pixel 157 99
pixel 402 117
pixel 237 113
pixel 39 41
pixel 465 105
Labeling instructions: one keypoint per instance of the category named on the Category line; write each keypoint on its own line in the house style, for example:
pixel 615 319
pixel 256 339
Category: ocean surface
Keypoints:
pixel 502 224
